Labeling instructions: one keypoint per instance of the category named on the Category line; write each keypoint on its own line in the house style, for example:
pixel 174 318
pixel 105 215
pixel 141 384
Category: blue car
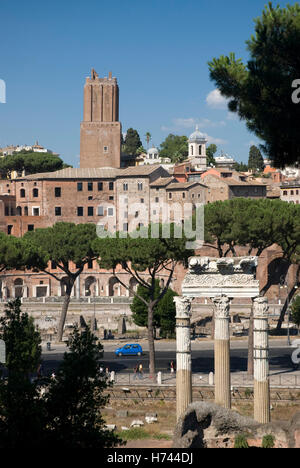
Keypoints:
pixel 129 350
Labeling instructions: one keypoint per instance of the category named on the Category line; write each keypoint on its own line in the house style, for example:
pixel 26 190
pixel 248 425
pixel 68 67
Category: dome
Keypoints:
pixel 197 136
pixel 153 150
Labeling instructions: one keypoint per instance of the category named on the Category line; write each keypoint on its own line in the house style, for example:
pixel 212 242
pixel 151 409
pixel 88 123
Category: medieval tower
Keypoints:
pixel 100 130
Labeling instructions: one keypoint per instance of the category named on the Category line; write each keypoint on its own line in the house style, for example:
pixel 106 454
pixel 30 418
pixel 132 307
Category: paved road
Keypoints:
pixel 202 357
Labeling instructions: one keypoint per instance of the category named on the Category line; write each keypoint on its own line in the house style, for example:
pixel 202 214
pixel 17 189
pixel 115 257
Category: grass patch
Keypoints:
pixel 135 433
pixel 138 433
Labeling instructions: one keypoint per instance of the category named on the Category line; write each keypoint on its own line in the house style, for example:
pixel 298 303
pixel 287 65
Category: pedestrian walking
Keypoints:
pixel 140 370
pixel 40 371
pixel 172 367
pixel 135 371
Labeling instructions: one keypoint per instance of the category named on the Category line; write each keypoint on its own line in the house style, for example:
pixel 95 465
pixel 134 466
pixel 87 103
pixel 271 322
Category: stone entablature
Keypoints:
pixel 210 277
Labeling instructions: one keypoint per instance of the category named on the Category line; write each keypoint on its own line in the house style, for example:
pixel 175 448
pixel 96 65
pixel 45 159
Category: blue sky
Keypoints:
pixel 158 50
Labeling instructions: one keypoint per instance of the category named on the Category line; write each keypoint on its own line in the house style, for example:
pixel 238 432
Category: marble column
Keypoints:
pixel 222 351
pixel 261 361
pixel 183 356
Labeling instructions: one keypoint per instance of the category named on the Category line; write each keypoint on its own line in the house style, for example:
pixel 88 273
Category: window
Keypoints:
pixel 100 211
pixel 79 187
pixel 111 198
pixel 200 150
pixel 110 212
pixel 25 210
pixel 6 211
pixel 53 265
pixel 183 194
pixel 35 192
pixel 156 200
pixel 170 196
pixel 192 150
pixel 80 211
pixel 90 211
pixel 105 149
pixel 22 193
pixel 57 192
pixel 140 186
pixel 90 186
pixel 136 214
pixel 36 211
pixel 90 264
pixel 30 227
pixel 9 229
pixel 125 227
pixel 292 192
pixel 125 187
pixel 100 186
pixel 111 185
pixel 285 192
pixel 57 211
pixel 142 200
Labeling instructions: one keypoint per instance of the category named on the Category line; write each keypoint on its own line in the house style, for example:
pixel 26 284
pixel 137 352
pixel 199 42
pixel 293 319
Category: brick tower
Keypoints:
pixel 100 130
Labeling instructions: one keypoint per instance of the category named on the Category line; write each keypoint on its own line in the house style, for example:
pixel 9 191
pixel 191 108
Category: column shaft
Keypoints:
pixel 183 355
pixel 222 352
pixel 261 362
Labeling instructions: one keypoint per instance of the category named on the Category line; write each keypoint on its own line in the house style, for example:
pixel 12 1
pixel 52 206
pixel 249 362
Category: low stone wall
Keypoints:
pixel 206 425
pixel 105 310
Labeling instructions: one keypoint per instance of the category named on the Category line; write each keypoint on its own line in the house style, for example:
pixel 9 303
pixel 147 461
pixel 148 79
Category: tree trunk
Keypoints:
pixel 64 310
pixel 251 344
pixel 288 300
pixel 151 341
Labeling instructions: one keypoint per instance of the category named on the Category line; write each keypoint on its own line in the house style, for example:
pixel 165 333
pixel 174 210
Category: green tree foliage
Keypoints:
pixel 144 255
pixel 21 413
pixel 210 152
pixel 256 160
pixel 23 342
pixel 174 147
pixel 167 314
pixel 75 397
pixel 295 311
pixel 67 413
pixel 164 313
pixel 69 246
pixel 140 310
pixel 241 167
pixel 257 224
pixel 132 142
pixel 31 163
pixel 260 92
pixel 11 252
pixel 148 137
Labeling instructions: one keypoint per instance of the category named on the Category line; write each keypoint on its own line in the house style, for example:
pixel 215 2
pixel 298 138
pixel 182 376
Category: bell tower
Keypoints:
pixel 100 130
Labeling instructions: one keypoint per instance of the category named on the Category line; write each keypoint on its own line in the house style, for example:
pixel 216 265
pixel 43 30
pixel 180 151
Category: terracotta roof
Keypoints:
pixel 139 170
pixel 162 181
pixel 183 185
pixel 230 181
pixel 77 173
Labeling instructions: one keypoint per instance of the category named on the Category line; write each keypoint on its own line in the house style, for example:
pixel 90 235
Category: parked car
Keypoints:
pixel 129 350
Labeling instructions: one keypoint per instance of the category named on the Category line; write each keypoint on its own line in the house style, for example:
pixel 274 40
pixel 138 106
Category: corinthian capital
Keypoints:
pixel 260 307
pixel 183 306
pixel 222 306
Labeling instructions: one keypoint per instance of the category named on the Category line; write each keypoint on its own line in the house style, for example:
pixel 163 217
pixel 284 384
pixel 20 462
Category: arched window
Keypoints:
pixel 200 150
pixel 22 193
pixel 35 192
pixel 25 210
pixel 192 150
pixel 19 211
